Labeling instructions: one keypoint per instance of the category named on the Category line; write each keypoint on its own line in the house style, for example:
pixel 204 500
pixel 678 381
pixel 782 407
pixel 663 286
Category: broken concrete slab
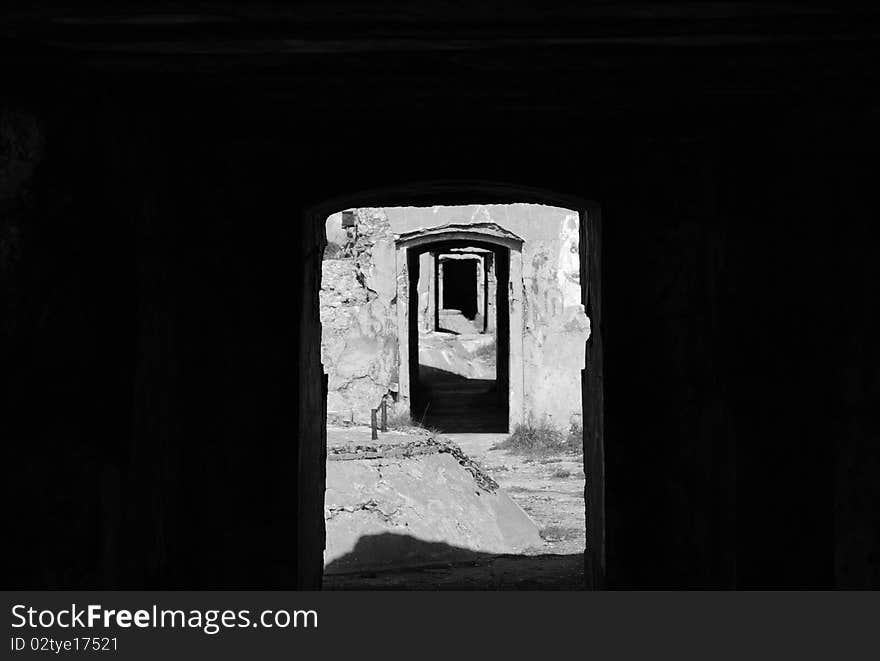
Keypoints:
pixel 421 497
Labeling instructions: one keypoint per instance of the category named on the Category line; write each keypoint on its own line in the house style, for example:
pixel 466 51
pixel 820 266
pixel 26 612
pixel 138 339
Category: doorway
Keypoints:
pixel 310 500
pixel 459 336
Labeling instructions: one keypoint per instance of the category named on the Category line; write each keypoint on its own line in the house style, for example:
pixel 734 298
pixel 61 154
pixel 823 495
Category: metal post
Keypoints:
pixel 384 414
pixel 436 258
pixel 373 424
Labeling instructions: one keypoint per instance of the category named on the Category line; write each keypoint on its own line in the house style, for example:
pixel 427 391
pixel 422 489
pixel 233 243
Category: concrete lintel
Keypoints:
pixel 484 232
pixel 471 250
pixel 469 257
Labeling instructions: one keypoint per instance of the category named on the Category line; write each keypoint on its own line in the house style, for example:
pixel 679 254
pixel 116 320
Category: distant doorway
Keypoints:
pixel 460 343
pixel 460 285
pixel 461 340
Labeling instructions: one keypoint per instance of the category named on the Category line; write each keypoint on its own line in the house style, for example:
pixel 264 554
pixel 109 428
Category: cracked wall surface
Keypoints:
pixel 358 316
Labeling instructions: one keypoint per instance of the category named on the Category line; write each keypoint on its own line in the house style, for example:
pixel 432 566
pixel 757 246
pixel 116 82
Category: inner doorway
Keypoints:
pixel 459 350
pixel 460 285
pixel 360 294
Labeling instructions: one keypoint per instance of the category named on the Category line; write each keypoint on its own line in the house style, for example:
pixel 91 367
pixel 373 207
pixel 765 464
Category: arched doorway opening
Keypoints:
pixel 313 384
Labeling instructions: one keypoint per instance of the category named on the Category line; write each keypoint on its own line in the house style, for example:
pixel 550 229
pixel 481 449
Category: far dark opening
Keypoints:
pixel 460 286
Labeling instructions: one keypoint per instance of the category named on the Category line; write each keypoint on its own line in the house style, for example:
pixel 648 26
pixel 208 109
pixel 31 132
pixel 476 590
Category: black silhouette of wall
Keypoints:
pixel 153 288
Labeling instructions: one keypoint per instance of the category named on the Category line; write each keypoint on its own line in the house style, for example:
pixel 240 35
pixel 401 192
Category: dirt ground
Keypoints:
pixel 503 572
pixel 549 489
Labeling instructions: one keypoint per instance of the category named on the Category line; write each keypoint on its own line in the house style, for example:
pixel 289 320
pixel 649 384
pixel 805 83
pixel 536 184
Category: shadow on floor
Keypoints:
pixel 403 562
pixel 451 403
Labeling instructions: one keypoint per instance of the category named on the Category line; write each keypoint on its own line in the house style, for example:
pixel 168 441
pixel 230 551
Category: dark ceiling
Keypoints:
pixel 265 28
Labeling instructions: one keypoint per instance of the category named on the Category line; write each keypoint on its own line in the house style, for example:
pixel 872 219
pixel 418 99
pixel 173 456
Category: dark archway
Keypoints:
pixel 506 248
pixel 448 402
pixel 459 286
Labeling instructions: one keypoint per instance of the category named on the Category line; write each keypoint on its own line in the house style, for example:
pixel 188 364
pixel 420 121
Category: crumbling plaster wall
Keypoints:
pixel 359 347
pixel 357 323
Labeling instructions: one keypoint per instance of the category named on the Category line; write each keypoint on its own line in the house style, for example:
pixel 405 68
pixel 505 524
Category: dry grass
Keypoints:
pixel 402 420
pixel 542 438
pixel 554 533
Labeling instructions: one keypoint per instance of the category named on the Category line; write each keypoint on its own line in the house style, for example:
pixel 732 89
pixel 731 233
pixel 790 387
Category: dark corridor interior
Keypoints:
pixel 460 286
pixel 451 403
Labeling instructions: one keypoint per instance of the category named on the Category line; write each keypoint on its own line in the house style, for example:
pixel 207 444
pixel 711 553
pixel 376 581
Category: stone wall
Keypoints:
pixel 359 347
pixel 358 316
